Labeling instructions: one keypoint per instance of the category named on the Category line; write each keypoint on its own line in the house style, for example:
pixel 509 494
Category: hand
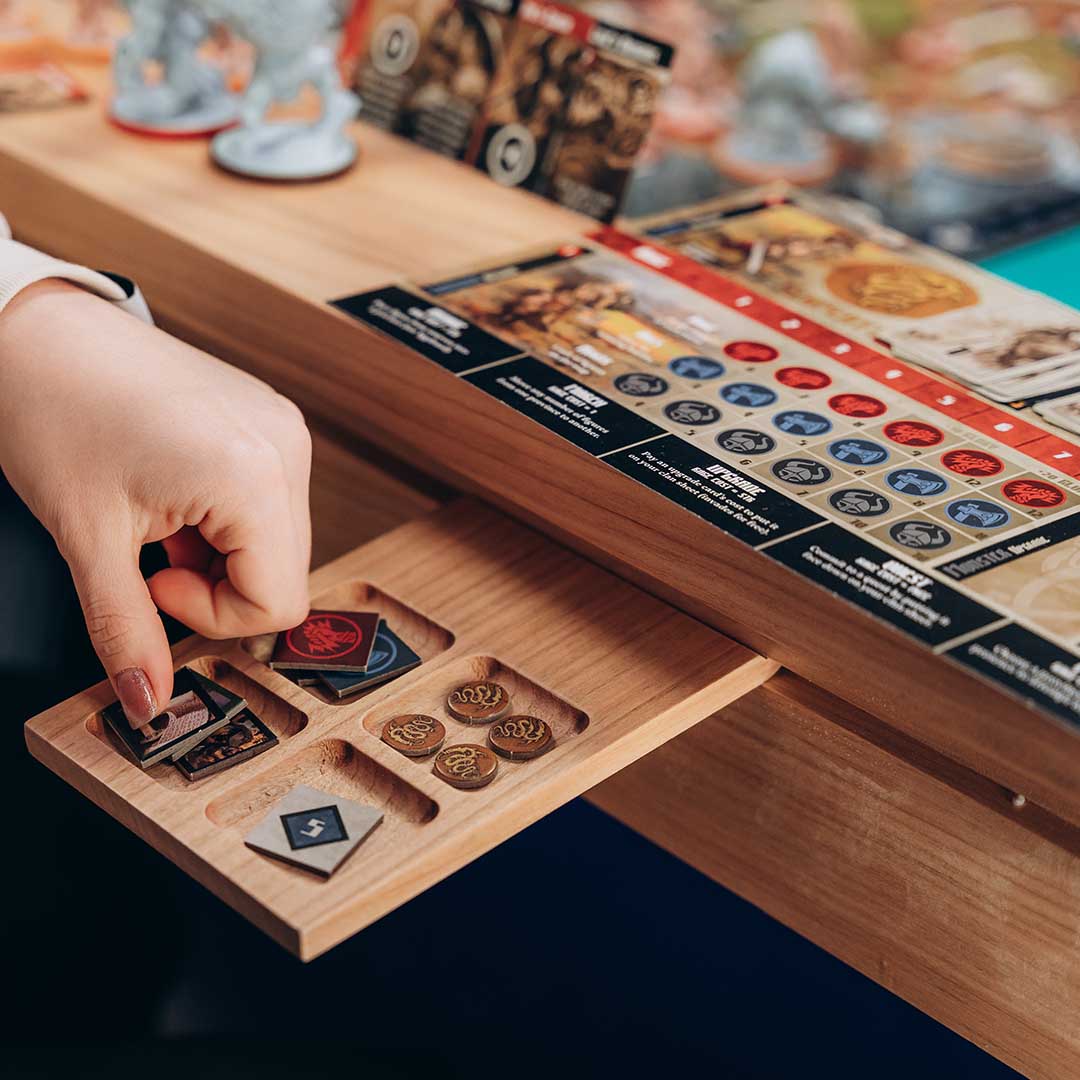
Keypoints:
pixel 117 435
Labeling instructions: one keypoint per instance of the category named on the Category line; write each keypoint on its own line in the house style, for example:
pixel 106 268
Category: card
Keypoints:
pixel 242 738
pixel 390 657
pixel 529 95
pixel 594 315
pixel 570 107
pixel 1033 337
pixel 327 641
pixel 607 120
pixel 301 678
pixel 30 86
pixel 1062 411
pixel 841 270
pixel 313 829
pixel 391 37
pixel 198 708
pixel 457 62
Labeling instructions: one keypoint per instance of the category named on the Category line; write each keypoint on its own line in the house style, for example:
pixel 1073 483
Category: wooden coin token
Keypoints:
pixel 414 734
pixel 466 765
pixel 478 702
pixel 520 737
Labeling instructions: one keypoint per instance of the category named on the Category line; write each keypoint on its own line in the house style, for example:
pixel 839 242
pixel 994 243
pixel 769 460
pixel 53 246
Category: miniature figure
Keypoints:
pixel 190 98
pixel 293 48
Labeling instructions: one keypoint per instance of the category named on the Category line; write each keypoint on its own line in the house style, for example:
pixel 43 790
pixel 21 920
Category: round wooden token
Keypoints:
pixel 478 702
pixel 414 734
pixel 520 737
pixel 466 765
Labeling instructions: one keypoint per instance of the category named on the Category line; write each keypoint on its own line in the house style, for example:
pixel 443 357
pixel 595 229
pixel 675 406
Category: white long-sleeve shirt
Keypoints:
pixel 22 266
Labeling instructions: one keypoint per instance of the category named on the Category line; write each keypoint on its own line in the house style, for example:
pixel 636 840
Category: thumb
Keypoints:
pixel 123 623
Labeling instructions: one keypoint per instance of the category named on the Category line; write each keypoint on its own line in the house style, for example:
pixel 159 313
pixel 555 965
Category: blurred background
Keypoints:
pixel 958 121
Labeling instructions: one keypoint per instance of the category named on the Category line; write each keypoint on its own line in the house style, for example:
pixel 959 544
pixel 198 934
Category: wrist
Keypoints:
pixel 40 328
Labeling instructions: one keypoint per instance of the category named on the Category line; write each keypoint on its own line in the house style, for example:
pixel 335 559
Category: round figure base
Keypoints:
pixel 136 113
pixel 284 151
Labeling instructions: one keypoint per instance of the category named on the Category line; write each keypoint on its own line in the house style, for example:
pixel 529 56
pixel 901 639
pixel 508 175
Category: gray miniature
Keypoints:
pixel 191 97
pixel 790 109
pixel 293 41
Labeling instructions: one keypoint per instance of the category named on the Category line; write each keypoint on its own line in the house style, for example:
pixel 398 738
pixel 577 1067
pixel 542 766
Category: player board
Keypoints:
pixel 767 395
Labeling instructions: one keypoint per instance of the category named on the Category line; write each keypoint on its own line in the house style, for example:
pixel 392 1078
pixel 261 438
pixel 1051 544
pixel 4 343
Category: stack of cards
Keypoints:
pixel 1026 350
pixel 1063 410
pixel 203 729
pixel 342 651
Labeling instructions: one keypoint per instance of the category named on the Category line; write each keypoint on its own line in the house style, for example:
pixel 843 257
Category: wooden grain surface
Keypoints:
pixel 244 269
pixel 358 493
pixel 914 870
pixel 478 596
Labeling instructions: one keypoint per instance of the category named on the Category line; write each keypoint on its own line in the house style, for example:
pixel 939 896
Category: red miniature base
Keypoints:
pixel 158 133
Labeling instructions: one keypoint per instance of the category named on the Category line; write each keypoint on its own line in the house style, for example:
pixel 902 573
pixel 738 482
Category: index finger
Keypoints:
pixel 266 564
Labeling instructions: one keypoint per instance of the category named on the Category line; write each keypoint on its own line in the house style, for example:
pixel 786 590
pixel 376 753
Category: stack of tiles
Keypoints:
pixel 343 652
pixel 202 730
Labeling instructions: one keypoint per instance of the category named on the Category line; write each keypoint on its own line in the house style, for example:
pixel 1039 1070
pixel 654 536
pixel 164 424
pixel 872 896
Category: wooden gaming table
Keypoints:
pixel 880 823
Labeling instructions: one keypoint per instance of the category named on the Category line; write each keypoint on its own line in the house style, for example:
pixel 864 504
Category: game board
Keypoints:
pixel 767 401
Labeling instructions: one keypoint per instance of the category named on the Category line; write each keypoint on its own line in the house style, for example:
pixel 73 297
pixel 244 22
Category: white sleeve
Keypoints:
pixel 22 266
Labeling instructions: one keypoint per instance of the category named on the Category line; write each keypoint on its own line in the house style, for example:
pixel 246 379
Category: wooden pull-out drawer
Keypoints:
pixel 614 671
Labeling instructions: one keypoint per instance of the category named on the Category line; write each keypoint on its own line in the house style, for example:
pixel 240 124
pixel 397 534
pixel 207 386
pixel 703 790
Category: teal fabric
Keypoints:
pixel 1051 265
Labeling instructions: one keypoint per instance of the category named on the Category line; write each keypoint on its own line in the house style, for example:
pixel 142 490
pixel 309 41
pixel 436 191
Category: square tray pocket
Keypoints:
pixel 429 696
pixel 332 765
pixel 283 718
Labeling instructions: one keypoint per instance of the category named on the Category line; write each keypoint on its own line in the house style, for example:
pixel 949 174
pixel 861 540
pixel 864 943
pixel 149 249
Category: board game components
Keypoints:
pixel 390 657
pixel 1063 411
pixel 414 734
pixel 538 94
pixel 313 829
pixel 466 766
pixel 520 737
pixel 812 384
pixel 189 98
pixel 478 702
pixel 301 678
pixel 242 738
pixel 291 53
pixel 327 641
pixel 428 67
pixel 296 653
pixel 198 708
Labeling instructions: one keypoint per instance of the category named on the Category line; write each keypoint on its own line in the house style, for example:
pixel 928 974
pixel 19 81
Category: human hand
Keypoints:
pixel 116 435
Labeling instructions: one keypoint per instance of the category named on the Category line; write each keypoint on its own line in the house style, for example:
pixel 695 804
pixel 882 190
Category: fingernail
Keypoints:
pixel 136 697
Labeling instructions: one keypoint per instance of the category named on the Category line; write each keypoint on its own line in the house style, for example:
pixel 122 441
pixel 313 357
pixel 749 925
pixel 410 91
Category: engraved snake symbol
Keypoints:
pixel 522 728
pixel 462 762
pixel 412 731
pixel 483 694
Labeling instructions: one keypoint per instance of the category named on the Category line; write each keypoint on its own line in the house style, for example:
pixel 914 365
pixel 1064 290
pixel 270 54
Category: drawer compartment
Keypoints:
pixel 614 672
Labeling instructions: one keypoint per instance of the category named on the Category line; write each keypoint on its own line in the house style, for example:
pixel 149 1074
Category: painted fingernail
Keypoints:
pixel 136 697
